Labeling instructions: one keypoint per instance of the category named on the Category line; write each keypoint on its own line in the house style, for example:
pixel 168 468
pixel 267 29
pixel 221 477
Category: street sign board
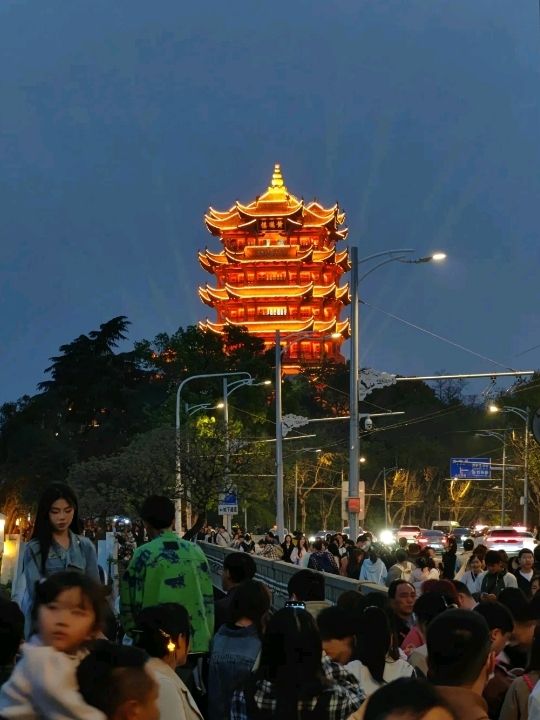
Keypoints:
pixel 470 468
pixel 228 504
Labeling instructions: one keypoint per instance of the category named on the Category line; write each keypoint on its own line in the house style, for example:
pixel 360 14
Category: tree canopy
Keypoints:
pixel 104 420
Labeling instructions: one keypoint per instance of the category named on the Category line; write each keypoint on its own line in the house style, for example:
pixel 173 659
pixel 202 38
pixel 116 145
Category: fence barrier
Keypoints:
pixel 276 575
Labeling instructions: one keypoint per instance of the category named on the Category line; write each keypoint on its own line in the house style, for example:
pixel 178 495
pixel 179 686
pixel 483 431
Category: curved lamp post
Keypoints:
pixel 228 389
pixel 502 437
pixel 525 415
pixel 396 255
pixel 178 501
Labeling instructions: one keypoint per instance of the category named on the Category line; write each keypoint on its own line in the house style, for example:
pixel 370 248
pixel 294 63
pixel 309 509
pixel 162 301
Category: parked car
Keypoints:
pixel 410 532
pixel 509 539
pixel 434 538
pixel 461 534
pixel 347 531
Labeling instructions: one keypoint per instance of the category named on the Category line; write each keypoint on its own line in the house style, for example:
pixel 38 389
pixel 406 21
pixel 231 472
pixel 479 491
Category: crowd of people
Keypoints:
pixel 455 638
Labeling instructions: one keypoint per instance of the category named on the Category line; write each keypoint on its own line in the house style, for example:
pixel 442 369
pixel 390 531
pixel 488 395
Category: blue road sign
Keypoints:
pixel 228 504
pixel 470 468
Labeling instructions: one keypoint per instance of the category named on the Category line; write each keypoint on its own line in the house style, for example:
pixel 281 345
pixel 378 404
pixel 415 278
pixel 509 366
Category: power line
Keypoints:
pixel 437 336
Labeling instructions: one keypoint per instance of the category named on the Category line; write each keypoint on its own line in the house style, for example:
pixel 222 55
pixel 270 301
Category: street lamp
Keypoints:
pixel 525 415
pixel 502 437
pixel 178 501
pixel 385 473
pixel 397 255
pixel 287 340
pixel 228 389
pixel 193 409
pixel 295 506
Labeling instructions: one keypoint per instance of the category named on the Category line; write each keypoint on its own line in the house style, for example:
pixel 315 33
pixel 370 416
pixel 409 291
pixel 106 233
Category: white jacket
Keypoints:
pixel 44 686
pixel 473 583
pixel 175 701
pixel 393 670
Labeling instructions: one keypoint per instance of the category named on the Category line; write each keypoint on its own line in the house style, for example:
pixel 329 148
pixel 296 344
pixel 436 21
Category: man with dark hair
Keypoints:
pixel 113 679
pixel 404 699
pixel 496 578
pixel 168 570
pixel 525 616
pixel 401 599
pixel 337 629
pixel 363 541
pixel 460 661
pixel 426 608
pixel 525 572
pixel 500 625
pixel 307 586
pixel 237 567
pixel 465 598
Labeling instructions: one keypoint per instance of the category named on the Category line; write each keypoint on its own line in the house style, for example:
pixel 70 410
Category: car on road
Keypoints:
pixel 435 539
pixel 445 526
pixel 410 532
pixel 387 537
pixel 461 534
pixel 509 539
pixel 321 535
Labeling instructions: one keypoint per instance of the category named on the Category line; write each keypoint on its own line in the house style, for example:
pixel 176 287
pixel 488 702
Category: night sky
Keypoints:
pixel 123 120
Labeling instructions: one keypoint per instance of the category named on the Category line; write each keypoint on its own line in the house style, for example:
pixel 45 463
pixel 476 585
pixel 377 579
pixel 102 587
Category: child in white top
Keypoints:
pixel 69 611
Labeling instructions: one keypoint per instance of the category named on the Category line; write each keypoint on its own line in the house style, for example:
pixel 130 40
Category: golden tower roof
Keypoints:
pixel 276 202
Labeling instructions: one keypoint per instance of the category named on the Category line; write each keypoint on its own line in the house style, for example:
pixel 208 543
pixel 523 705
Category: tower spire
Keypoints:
pixel 277 184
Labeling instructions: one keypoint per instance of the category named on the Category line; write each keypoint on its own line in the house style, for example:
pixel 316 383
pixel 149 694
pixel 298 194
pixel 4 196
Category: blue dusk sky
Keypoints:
pixel 122 120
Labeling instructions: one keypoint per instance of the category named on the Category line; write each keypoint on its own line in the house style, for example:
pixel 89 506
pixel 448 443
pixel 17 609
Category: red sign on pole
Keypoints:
pixel 358 504
pixel 353 505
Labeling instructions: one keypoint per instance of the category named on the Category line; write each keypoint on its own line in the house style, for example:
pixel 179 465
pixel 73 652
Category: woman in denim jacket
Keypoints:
pixel 236 645
pixel 55 545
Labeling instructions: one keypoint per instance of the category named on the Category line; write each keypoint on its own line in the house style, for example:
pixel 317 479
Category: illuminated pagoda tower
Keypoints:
pixel 279 269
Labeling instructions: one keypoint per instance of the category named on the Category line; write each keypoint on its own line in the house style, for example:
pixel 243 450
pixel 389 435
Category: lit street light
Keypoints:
pixel 525 415
pixel 397 255
pixel 193 409
pixel 502 437
pixel 228 389
pixel 178 501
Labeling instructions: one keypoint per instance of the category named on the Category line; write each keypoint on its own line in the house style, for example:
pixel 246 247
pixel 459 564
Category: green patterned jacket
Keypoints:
pixel 170 570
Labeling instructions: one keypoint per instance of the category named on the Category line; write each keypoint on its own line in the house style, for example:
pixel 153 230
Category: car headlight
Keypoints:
pixel 312 538
pixel 386 537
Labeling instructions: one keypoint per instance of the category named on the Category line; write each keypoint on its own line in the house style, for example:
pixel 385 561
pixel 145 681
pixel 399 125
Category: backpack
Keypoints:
pixel 406 574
